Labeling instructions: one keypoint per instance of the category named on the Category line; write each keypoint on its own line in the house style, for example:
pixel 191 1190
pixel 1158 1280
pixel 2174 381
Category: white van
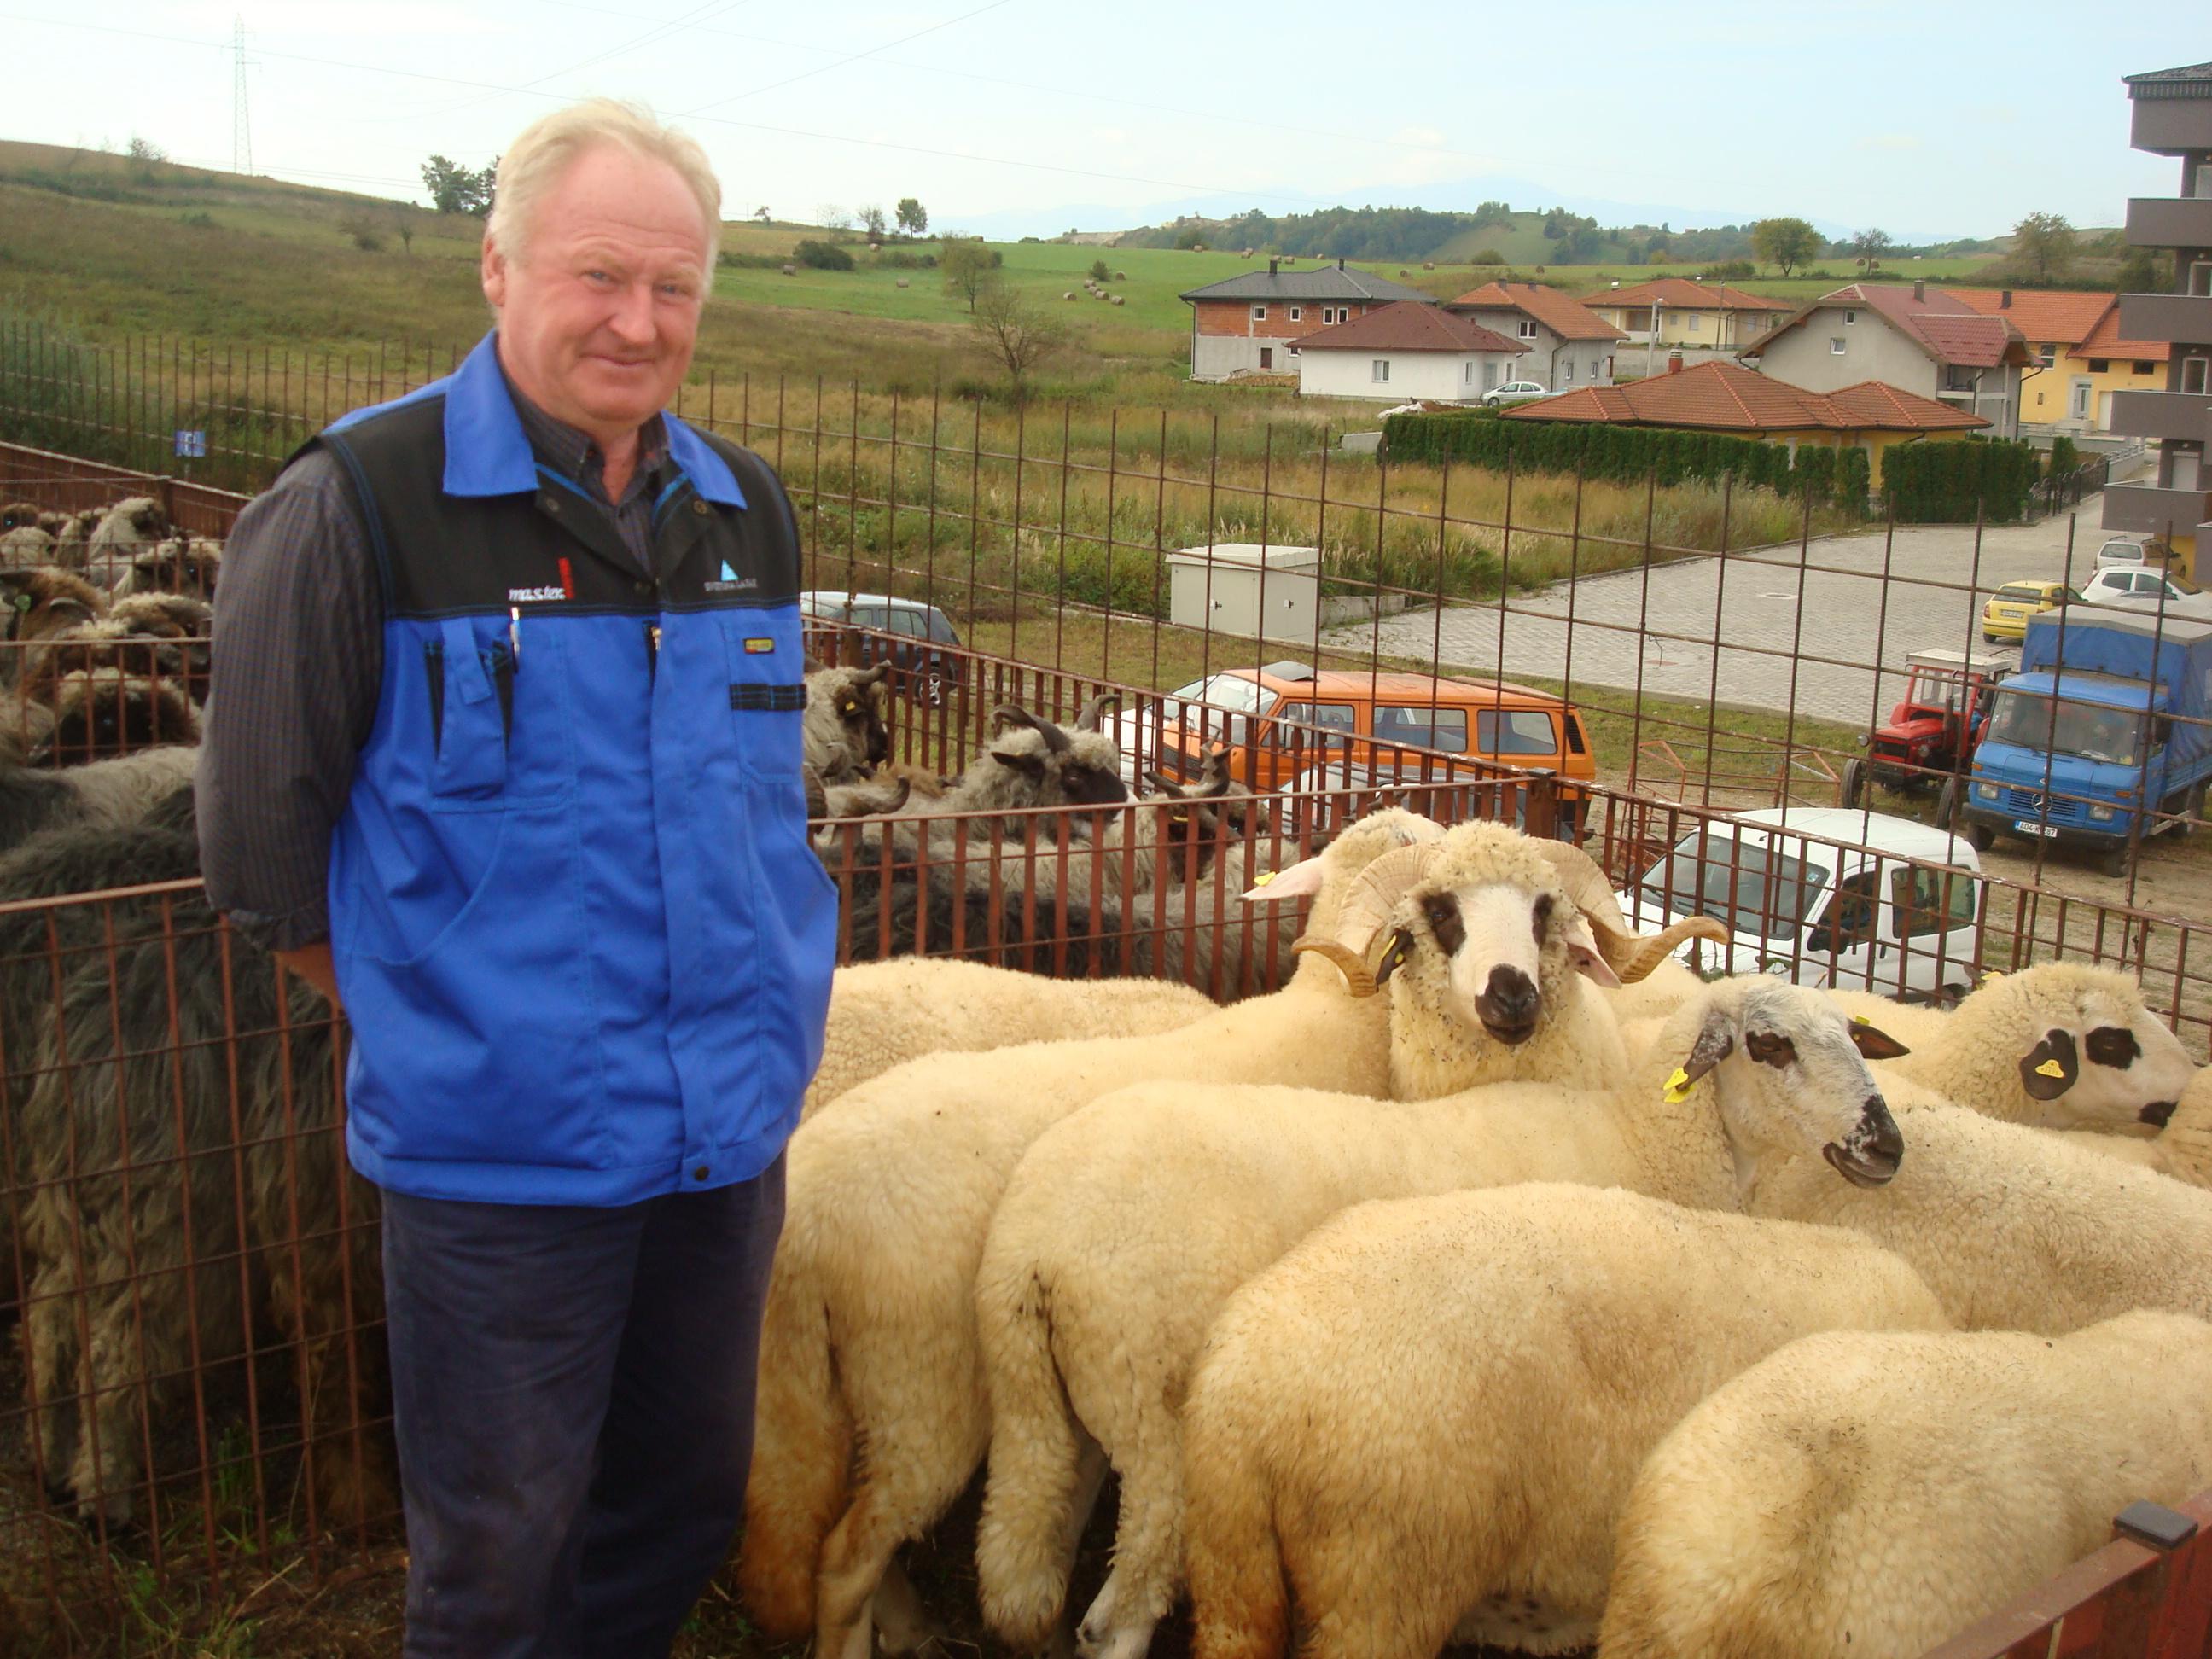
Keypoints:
pixel 1877 913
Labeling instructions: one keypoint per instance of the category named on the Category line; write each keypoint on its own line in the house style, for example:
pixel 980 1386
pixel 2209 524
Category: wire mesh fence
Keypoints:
pixel 193 1269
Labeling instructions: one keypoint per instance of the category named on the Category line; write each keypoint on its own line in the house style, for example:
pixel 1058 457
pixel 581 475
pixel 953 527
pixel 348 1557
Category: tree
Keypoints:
pixel 403 225
pixel 1099 272
pixel 1868 247
pixel 830 216
pixel 2145 271
pixel 456 189
pixel 761 213
pixel 873 222
pixel 145 149
pixel 1015 332
pixel 1788 243
pixel 2043 244
pixel 966 267
pixel 913 217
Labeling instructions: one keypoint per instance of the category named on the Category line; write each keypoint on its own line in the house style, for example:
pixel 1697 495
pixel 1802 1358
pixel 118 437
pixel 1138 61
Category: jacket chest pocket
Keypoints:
pixel 767 692
pixel 501 728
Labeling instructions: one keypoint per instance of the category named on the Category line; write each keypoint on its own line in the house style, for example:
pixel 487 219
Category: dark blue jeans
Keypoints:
pixel 573 1391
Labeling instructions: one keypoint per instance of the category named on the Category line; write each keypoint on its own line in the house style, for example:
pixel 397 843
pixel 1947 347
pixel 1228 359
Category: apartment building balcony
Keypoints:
pixel 2183 318
pixel 2159 512
pixel 2186 415
pixel 2170 221
pixel 2170 126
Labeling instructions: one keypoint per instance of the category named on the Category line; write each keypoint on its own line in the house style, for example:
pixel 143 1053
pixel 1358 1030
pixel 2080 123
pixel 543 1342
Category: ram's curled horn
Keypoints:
pixel 1366 912
pixel 871 675
pixel 1630 955
pixel 1213 777
pixel 896 803
pixel 1095 710
pixel 1055 740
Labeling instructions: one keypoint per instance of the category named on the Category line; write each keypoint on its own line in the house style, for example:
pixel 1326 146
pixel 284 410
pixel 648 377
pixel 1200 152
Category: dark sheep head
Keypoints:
pixel 104 713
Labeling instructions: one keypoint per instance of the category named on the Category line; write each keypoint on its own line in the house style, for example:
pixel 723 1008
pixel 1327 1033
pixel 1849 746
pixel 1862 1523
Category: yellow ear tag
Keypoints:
pixel 2050 1068
pixel 1860 1019
pixel 1678 1087
pixel 1264 878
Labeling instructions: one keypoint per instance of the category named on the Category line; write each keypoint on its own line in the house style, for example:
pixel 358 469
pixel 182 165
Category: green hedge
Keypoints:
pixel 1933 483
pixel 1952 483
pixel 1625 454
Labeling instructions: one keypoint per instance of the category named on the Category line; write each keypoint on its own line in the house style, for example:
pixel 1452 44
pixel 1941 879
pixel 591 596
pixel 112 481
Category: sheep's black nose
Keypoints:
pixel 1884 1145
pixel 1508 1004
pixel 2158 1112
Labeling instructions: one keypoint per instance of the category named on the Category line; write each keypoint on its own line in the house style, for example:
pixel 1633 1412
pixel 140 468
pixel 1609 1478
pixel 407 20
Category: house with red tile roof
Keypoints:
pixel 1247 324
pixel 1918 339
pixel 1402 352
pixel 1568 343
pixel 1682 311
pixel 1741 403
pixel 2079 359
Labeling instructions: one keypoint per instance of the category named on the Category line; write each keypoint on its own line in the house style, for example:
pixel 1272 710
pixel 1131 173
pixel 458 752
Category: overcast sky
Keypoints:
pixel 1030 115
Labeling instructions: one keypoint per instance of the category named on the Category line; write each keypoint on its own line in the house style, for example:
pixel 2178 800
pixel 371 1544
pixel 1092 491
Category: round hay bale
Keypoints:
pixel 791 270
pixel 1120 276
pixel 1428 265
pixel 1117 298
pixel 875 247
pixel 901 282
pixel 1070 294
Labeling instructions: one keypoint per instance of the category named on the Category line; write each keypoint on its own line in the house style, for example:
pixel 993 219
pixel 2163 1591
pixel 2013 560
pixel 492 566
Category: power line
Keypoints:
pixel 242 128
pixel 848 138
pixel 824 69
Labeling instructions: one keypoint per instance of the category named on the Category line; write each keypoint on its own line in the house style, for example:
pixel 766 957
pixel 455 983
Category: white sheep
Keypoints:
pixel 129 526
pixel 884 1013
pixel 1127 1225
pixel 2183 1149
pixel 1858 1496
pixel 25 544
pixel 2015 1227
pixel 2059 1045
pixel 868 1337
pixel 1427 1418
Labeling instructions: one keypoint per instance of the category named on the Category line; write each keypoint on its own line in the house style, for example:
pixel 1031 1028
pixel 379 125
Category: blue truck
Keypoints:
pixel 2107 717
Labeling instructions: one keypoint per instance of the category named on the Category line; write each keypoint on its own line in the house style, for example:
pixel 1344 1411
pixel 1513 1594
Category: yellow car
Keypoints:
pixel 2005 616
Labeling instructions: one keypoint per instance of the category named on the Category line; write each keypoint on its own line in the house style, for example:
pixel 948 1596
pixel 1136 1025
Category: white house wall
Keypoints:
pixel 1546 359
pixel 1442 375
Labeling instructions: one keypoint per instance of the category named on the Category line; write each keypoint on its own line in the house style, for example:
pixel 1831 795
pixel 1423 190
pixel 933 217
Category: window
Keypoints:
pixel 2146 369
pixel 1956 378
pixel 1515 731
pixel 1527 328
pixel 1266 356
pixel 2193 372
pixel 1567 378
pixel 1259 314
pixel 1381 369
pixel 1849 317
pixel 1836 345
pixel 1335 719
pixel 2046 356
pixel 1851 916
pixel 1929 901
pixel 1421 727
pixel 1469 367
pixel 1227 692
pixel 1745 885
pixel 1296 311
pixel 2099 365
pixel 1697 322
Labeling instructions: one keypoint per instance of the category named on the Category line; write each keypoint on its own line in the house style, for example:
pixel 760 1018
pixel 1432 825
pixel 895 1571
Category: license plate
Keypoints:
pixel 2030 826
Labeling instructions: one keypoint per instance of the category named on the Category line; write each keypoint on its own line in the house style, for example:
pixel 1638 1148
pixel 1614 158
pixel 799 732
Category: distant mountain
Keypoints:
pixel 1453 196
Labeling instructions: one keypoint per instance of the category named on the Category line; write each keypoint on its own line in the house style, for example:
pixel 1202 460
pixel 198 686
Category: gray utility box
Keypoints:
pixel 1243 587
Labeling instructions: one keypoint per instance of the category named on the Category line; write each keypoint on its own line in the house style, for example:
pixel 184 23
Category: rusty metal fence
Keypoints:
pixel 196 1398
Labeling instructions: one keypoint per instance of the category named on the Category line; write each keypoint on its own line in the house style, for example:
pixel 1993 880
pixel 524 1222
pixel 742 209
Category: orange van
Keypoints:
pixel 1289 727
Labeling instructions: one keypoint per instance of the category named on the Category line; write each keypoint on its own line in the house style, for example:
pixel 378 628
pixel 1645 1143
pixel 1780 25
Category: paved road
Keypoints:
pixel 1824 604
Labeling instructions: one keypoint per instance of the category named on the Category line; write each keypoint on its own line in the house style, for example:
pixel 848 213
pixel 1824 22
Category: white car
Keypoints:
pixel 1876 913
pixel 2147 590
pixel 1515 391
pixel 2136 553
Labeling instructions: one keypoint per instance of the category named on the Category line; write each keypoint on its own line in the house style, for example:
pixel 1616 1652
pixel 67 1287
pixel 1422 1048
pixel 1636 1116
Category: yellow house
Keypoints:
pixel 1741 403
pixel 1688 313
pixel 2080 360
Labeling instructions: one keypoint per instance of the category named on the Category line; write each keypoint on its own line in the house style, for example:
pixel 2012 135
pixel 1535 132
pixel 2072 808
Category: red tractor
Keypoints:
pixel 1929 740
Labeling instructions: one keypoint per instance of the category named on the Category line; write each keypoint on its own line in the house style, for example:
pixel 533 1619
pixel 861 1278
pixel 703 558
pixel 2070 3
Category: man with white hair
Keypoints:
pixel 503 756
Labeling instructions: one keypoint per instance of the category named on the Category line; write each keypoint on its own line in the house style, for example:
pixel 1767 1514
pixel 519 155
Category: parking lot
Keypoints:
pixel 1805 627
